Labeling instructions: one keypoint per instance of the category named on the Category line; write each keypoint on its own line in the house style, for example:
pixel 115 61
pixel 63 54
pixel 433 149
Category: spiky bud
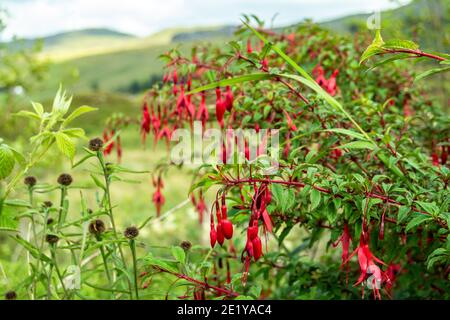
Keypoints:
pixel 131 232
pixel 65 179
pixel 95 144
pixel 30 181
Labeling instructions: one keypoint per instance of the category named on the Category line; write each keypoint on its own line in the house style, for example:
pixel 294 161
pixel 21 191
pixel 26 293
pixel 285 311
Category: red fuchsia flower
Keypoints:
pixel 249 46
pixel 344 239
pixel 156 122
pixel 220 107
pixel 391 275
pixel 227 226
pixel 212 233
pixel 287 146
pixel 145 122
pixel 164 133
pixel 328 85
pixel 175 82
pixel 201 207
pixel 229 99
pixel 332 86
pixel 107 141
pixel 220 234
pixel 181 102
pixel 265 64
pixel 291 37
pixel 257 248
pixel 119 149
pixel 407 110
pixel 435 159
pixel 320 76
pixel 290 124
pixel 262 146
pixel 202 112
pixel 367 264
pixel 158 198
pixel 246 150
pixel 336 153
pixel 190 109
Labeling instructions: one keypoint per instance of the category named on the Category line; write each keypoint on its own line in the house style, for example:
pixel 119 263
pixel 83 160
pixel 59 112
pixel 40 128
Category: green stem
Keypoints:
pixel 110 212
pixel 133 252
pixel 105 263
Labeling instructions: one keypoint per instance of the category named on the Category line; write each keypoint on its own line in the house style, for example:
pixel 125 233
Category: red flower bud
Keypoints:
pixel 435 159
pixel 220 107
pixel 229 99
pixel 213 236
pixel 175 76
pixel 252 232
pixel 220 234
pixel 257 248
pixel 249 46
pixel 227 228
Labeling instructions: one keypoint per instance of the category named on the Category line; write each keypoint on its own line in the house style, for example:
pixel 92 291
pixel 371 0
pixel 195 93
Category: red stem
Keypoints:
pixel 201 283
pixel 324 190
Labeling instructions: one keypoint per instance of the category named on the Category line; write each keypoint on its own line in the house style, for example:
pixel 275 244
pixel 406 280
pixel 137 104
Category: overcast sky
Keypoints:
pixel 33 18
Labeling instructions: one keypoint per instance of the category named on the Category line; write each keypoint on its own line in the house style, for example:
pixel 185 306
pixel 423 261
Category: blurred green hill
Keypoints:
pixel 110 69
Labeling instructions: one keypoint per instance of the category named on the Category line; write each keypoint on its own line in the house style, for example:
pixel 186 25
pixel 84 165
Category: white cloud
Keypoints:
pixel 30 18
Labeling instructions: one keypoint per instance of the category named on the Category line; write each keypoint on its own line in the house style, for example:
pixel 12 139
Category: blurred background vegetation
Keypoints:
pixel 111 71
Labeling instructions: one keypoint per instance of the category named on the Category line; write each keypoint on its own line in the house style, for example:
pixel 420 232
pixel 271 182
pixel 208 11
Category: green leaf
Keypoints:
pixel 393 58
pixel 402 213
pixel 7 221
pixel 150 260
pixel 347 132
pixel 374 48
pixel 65 145
pixel 277 192
pixel 75 133
pixel 97 182
pixel 430 208
pixel 431 72
pixel 370 52
pixel 28 114
pixel 400 44
pixel 315 197
pixel 421 218
pixel 76 113
pixel 38 108
pixel 18 156
pixel 32 249
pixel 82 160
pixel 7 161
pixel 179 254
pixel 358 145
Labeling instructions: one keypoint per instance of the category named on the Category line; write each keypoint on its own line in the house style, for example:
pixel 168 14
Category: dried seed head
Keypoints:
pixel 65 179
pixel 131 232
pixel 11 295
pixel 48 204
pixel 50 221
pixel 186 245
pixel 51 238
pixel 30 181
pixel 97 227
pixel 95 144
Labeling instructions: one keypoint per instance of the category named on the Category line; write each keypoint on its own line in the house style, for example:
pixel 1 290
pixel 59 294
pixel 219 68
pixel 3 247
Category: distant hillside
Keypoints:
pixel 105 60
pixel 427 22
